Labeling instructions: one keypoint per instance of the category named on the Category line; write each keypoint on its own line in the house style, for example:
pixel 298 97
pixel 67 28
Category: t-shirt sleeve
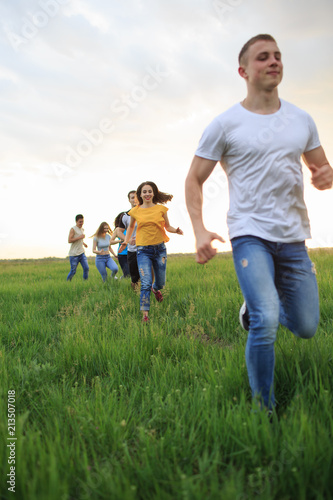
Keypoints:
pixel 131 213
pixel 213 142
pixel 314 141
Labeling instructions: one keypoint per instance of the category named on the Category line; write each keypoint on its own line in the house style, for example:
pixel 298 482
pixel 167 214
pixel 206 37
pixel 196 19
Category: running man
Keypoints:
pixel 259 143
pixel 76 251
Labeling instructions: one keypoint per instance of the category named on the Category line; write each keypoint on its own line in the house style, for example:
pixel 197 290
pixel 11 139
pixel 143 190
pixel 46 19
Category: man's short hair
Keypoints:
pixel 133 191
pixel 254 39
pixel 78 217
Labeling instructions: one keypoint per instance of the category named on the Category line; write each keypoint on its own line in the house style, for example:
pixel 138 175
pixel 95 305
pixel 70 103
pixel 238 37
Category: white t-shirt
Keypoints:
pixel 261 157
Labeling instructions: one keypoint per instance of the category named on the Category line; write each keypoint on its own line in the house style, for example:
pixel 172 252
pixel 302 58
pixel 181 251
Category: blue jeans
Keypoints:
pixel 104 261
pixel 75 260
pixel 122 259
pixel 279 286
pixel 151 256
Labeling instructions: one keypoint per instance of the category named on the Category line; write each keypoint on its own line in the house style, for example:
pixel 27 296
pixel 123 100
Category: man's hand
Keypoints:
pixel 322 173
pixel 322 177
pixel 205 251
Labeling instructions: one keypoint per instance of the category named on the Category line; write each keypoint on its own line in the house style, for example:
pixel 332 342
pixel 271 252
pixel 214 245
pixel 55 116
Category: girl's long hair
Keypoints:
pixel 159 196
pixel 119 217
pixel 100 230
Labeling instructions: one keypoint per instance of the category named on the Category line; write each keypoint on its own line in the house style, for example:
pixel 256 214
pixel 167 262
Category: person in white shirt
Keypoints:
pixel 76 251
pixel 259 143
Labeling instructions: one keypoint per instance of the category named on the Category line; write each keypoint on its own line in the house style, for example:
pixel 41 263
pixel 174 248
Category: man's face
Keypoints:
pixel 79 223
pixel 262 67
pixel 133 199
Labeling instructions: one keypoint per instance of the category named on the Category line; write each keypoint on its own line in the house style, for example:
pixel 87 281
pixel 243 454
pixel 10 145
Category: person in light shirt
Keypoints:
pixel 131 248
pixel 76 252
pixel 102 248
pixel 259 143
pixel 152 221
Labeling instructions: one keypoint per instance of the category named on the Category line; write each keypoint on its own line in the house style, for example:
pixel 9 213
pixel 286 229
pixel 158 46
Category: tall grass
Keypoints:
pixel 109 408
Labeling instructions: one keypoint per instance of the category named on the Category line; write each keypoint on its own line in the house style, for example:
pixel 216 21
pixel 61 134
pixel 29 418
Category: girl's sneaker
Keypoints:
pixel 158 295
pixel 145 319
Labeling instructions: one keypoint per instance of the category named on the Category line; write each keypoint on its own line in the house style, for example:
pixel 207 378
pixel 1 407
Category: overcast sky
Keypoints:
pixel 100 95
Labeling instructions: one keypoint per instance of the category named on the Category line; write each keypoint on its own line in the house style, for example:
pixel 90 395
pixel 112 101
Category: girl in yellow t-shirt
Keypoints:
pixel 152 221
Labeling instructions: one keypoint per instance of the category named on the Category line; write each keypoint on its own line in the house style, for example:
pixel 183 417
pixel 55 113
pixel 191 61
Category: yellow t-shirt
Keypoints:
pixel 151 224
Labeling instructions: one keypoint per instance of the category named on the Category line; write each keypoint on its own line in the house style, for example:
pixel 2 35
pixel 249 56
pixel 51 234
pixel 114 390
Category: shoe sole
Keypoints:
pixel 243 315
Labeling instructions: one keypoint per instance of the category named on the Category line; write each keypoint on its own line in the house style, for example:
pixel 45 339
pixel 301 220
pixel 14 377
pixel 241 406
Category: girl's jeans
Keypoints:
pixel 104 261
pixel 279 285
pixel 148 256
pixel 75 260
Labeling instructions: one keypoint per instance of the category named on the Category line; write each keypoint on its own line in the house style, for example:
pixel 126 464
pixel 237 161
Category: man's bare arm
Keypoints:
pixel 71 238
pixel 200 170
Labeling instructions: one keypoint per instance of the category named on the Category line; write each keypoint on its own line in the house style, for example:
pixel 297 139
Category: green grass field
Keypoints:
pixel 109 408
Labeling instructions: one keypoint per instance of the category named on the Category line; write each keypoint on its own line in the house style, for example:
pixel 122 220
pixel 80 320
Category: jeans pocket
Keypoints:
pixel 139 250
